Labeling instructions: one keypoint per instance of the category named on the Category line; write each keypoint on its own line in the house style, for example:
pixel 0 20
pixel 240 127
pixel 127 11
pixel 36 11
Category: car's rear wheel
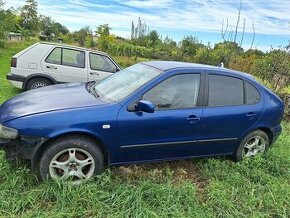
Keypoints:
pixel 38 83
pixel 72 158
pixel 255 143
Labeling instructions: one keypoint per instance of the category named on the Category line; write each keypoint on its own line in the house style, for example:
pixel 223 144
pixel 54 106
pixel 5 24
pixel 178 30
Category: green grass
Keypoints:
pixel 215 187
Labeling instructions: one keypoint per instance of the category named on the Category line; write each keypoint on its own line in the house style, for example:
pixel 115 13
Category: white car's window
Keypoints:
pixel 73 58
pixel 54 57
pixel 102 63
pixel 67 57
pixel 177 92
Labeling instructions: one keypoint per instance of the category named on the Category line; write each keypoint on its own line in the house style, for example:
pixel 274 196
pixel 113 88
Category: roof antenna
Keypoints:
pixel 221 64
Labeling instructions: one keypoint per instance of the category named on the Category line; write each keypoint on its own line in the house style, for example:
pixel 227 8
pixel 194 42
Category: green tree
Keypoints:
pixel 274 67
pixel 104 37
pixel 103 30
pixel 153 38
pixel 47 26
pixel 8 23
pixel 189 45
pixel 29 16
pixel 82 35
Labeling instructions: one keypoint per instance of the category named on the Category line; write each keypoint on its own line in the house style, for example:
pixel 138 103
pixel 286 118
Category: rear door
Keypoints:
pixel 100 67
pixel 231 108
pixel 66 65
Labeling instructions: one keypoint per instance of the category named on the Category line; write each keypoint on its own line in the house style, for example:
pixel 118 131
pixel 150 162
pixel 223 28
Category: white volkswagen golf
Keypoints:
pixel 44 64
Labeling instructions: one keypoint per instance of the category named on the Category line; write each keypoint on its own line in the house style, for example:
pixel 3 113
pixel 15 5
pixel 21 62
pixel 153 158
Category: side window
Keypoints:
pixel 225 91
pixel 54 57
pixel 176 92
pixel 102 63
pixel 73 58
pixel 252 94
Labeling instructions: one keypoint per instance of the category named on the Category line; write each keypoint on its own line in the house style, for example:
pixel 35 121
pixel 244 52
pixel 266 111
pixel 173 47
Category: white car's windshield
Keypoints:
pixel 125 82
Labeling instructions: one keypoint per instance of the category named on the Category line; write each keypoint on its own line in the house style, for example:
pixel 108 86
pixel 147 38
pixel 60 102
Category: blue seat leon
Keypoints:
pixel 150 111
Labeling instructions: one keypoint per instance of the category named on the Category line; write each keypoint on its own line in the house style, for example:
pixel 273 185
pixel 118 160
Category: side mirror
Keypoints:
pixel 145 106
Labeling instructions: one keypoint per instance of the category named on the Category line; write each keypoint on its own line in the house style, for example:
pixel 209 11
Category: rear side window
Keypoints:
pixel 225 91
pixel 252 94
pixel 54 57
pixel 102 63
pixel 67 57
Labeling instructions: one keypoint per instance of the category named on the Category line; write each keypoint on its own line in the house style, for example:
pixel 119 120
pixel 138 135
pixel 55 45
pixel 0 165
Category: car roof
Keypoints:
pixel 170 65
pixel 71 46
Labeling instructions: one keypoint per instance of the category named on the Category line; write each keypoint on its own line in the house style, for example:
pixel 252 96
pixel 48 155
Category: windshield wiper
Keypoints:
pixel 91 89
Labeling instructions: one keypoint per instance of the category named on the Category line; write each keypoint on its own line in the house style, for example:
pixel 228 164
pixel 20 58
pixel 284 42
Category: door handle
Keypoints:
pixel 251 114
pixel 193 118
pixel 94 73
pixel 51 67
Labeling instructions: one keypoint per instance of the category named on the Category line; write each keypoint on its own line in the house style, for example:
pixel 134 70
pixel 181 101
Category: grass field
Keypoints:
pixel 214 187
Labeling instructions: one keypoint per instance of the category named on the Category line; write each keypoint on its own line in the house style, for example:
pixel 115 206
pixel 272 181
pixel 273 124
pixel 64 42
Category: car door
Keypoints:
pixel 233 106
pixel 100 67
pixel 66 65
pixel 172 130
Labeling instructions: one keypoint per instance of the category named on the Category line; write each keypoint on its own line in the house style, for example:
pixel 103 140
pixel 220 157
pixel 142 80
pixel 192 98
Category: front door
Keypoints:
pixel 66 65
pixel 171 131
pixel 100 67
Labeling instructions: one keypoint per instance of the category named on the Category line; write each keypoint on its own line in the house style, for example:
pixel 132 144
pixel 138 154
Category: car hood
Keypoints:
pixel 59 97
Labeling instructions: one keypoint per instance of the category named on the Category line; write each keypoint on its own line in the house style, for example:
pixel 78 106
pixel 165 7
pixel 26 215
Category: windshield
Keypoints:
pixel 125 82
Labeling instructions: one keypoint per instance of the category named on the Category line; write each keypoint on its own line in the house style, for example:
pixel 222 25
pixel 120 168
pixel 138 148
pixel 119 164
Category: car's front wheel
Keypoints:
pixel 72 158
pixel 255 143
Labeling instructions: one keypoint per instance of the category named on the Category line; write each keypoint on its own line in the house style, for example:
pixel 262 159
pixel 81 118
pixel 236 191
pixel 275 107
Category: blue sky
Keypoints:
pixel 176 18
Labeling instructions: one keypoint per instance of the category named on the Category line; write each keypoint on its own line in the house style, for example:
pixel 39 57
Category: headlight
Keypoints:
pixel 8 133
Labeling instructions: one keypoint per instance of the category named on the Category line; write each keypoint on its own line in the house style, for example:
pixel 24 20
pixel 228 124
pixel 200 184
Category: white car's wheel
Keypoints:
pixel 38 83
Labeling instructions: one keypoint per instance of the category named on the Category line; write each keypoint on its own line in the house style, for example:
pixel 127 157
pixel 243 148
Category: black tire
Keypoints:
pixel 79 144
pixel 37 83
pixel 241 151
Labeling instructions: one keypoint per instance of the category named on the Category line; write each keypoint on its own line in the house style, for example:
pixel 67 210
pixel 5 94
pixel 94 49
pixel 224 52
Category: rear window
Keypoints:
pixel 252 94
pixel 225 91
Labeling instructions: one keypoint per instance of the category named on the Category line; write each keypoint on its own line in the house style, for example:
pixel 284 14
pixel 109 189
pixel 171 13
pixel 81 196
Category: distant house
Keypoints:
pixel 15 37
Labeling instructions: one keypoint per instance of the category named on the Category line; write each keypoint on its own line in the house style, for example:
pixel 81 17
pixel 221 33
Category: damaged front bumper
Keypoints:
pixel 24 147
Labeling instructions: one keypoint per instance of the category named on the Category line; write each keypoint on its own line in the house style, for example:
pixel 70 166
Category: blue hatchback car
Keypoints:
pixel 150 111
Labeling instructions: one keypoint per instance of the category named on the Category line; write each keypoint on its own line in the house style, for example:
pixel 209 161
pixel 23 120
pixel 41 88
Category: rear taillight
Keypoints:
pixel 13 62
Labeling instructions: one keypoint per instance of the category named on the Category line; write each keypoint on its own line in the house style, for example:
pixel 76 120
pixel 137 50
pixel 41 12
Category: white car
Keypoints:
pixel 44 64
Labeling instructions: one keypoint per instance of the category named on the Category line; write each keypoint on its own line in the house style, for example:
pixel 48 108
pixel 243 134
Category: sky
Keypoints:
pixel 177 18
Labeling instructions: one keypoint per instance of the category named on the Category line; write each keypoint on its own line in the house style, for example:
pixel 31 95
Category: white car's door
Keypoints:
pixel 100 67
pixel 66 65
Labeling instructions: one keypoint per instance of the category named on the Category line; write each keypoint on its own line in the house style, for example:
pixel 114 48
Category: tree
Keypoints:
pixel 153 38
pixel 29 16
pixel 47 26
pixel 103 30
pixel 274 68
pixel 104 37
pixel 132 30
pixel 9 22
pixel 60 29
pixel 82 35
pixel 189 45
